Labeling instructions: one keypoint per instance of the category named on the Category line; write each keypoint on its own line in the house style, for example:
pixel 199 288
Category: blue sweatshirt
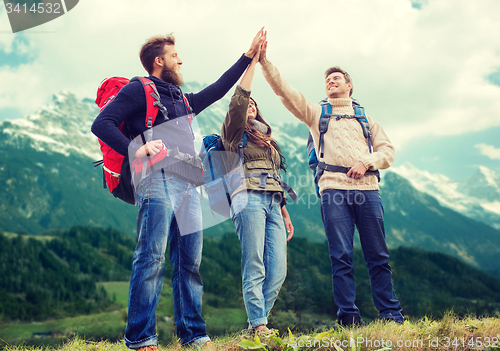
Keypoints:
pixel 130 106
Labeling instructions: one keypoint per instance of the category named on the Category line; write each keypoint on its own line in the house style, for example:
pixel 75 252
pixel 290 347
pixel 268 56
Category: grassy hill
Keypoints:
pixel 76 282
pixel 449 333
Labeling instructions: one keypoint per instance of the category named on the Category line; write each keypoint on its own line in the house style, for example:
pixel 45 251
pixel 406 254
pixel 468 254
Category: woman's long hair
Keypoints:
pixel 264 140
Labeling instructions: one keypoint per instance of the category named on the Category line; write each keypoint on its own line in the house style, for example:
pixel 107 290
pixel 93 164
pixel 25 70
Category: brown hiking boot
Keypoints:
pixel 266 332
pixel 148 348
pixel 208 346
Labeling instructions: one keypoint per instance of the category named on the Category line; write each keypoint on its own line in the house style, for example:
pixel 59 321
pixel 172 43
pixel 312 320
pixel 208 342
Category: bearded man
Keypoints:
pixel 166 191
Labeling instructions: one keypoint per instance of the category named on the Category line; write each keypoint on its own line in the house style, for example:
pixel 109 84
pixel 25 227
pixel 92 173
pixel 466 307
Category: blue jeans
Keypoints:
pixel 262 235
pixel 169 210
pixel 341 211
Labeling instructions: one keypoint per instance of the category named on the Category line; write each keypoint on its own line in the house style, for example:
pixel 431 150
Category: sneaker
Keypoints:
pixel 262 333
pixel 351 320
pixel 148 348
pixel 248 332
pixel 266 332
pixel 209 345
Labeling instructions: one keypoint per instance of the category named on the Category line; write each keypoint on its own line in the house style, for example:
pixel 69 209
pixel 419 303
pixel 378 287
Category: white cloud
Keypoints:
pixel 488 151
pixel 418 72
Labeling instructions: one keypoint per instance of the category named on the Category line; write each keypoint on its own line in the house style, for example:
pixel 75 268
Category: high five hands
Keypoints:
pixel 257 43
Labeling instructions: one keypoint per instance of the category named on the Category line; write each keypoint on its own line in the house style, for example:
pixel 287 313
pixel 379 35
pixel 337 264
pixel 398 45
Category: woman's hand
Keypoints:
pixel 246 80
pixel 256 56
pixel 256 43
pixel 150 149
pixel 263 42
pixel 289 228
pixel 288 223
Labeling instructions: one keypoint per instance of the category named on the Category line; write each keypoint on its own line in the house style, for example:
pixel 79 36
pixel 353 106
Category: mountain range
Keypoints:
pixel 48 182
pixel 477 197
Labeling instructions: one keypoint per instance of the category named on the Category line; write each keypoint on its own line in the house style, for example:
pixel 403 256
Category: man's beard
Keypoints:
pixel 169 76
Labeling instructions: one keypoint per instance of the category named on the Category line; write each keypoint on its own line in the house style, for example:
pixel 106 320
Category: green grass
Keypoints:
pixel 117 291
pixel 82 325
pixel 111 325
pixel 449 333
pixel 224 320
pixel 103 325
pixel 42 238
pixel 219 320
pixel 84 332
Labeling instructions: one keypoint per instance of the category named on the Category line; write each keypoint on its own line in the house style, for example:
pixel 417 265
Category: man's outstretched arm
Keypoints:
pixel 291 98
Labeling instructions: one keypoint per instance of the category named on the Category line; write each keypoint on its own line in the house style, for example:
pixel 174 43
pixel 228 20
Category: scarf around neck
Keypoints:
pixel 261 127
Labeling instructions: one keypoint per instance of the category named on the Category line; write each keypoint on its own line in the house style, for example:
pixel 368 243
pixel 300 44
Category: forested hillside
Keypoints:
pixel 55 276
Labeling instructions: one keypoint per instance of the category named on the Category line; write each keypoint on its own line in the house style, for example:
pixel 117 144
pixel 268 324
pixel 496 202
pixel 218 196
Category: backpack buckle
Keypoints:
pixel 263 180
pixel 323 123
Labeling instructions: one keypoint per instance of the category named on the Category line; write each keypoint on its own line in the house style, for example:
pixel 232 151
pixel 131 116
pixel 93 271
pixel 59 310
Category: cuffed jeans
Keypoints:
pixel 262 235
pixel 169 210
pixel 341 211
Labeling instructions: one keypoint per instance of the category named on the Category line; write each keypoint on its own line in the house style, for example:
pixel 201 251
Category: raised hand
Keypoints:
pixel 257 41
pixel 263 50
pixel 246 80
pixel 256 57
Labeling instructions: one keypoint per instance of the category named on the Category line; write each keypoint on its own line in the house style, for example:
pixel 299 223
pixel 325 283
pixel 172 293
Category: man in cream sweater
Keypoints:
pixel 347 199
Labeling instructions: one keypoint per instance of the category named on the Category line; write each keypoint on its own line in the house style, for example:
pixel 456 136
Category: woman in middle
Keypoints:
pixel 258 213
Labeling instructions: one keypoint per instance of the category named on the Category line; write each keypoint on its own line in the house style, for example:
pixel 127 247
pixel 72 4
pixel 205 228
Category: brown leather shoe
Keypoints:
pixel 148 348
pixel 208 346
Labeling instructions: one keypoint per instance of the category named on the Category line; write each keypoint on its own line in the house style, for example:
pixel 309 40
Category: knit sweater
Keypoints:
pixel 130 106
pixel 344 141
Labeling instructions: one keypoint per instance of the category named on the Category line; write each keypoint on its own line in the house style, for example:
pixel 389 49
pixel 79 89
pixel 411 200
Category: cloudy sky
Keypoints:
pixel 427 70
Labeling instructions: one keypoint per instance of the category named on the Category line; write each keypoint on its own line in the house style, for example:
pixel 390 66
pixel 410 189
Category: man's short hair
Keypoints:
pixel 154 47
pixel 346 75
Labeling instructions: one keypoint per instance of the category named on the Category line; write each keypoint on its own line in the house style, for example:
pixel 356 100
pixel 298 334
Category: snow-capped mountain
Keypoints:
pixel 63 126
pixel 484 184
pixel 47 181
pixel 46 177
pixel 477 197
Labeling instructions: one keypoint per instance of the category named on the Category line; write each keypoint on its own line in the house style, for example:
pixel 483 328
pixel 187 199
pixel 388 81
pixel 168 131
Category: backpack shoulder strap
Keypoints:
pixel 311 152
pixel 153 102
pixel 189 109
pixel 359 111
pixel 324 120
pixel 186 101
pixel 244 138
pixel 242 144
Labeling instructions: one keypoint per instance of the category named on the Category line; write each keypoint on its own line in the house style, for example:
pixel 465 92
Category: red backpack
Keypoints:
pixel 117 175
